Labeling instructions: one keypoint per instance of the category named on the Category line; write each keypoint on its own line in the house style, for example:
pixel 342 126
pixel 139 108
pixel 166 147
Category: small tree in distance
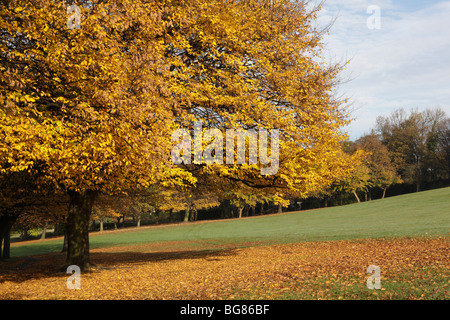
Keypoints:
pixel 382 172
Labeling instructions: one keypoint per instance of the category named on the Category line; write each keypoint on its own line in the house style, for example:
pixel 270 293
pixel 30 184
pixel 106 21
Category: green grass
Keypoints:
pixel 412 215
pixel 406 285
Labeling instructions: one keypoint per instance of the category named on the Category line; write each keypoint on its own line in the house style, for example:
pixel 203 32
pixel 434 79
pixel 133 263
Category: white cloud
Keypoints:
pixel 406 63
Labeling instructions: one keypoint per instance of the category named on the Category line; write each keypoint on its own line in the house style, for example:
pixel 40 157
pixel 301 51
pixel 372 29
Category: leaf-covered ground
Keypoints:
pixel 411 268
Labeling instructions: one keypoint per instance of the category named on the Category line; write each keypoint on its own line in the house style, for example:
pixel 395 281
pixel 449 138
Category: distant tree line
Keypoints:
pixel 405 152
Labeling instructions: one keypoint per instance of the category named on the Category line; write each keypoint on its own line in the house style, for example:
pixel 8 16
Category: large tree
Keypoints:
pixel 96 104
pixel 89 105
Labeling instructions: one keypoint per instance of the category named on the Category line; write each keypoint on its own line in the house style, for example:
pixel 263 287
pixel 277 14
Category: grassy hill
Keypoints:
pixel 412 215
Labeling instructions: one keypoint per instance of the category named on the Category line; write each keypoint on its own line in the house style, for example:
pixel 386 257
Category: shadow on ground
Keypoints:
pixel 21 269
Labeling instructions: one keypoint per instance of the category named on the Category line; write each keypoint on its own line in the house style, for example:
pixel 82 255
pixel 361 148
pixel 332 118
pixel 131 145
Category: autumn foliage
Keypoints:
pixel 94 107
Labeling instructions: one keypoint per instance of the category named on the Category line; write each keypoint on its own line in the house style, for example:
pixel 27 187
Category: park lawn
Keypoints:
pixel 316 254
pixel 413 215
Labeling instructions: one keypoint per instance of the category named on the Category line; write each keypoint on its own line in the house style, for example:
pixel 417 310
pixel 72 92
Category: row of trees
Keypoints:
pixel 411 149
pixel 379 169
pixel 89 112
pixel 419 144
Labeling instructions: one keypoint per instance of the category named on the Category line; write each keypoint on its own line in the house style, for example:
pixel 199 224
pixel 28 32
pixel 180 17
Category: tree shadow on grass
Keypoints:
pixel 111 260
pixel 19 270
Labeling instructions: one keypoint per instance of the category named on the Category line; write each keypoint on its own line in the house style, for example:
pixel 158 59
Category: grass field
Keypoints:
pixel 317 254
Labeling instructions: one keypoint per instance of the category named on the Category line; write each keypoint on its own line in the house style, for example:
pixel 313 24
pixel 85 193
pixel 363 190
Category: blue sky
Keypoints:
pixel 403 64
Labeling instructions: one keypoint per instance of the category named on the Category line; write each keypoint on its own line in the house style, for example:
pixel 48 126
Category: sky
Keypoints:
pixel 401 61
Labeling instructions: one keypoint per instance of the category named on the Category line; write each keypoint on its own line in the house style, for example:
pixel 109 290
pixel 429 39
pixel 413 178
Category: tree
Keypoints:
pixel 412 141
pixel 242 196
pixel 436 162
pixel 15 198
pixel 356 177
pixel 382 171
pixel 107 206
pixel 358 180
pixel 204 194
pixel 26 199
pixel 444 146
pixel 88 104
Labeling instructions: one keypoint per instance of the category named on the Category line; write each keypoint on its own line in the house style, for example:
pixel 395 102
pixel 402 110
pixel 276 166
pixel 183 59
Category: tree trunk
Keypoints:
pixel 356 196
pixel 262 209
pixel 7 243
pixel 44 231
pixel 6 223
pixel 1 244
pixel 240 209
pixel 384 193
pixel 24 234
pixel 3 225
pixel 280 208
pixel 138 224
pixel 60 229
pixel 64 248
pixel 101 225
pixel 186 213
pixel 78 219
pixel 1 241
